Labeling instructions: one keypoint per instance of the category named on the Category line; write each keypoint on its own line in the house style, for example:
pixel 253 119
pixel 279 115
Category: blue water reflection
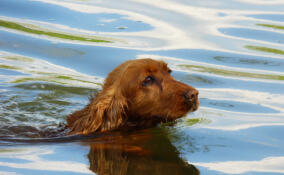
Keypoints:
pixel 241 107
pixel 101 22
pixel 271 17
pixel 69 55
pixel 43 78
pixel 254 34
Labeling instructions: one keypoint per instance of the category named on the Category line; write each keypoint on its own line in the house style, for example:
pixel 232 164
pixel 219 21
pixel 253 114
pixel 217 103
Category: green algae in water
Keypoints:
pixel 52 79
pixel 272 26
pixel 2 66
pixel 11 150
pixel 18 58
pixel 265 49
pixel 20 27
pixel 57 89
pixel 230 73
pixel 239 60
pixel 71 78
pixel 44 79
pixel 194 121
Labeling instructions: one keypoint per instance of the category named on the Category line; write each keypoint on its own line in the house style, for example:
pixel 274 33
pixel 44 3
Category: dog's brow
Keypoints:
pixel 152 69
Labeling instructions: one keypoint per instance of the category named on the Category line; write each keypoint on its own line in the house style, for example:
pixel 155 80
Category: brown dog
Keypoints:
pixel 137 94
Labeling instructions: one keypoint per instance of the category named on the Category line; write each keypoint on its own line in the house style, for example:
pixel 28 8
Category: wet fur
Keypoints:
pixel 126 102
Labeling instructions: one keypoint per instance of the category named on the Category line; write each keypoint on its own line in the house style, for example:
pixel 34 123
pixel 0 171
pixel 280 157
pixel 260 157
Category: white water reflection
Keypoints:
pixel 238 110
pixel 236 121
pixel 197 27
pixel 8 173
pixel 266 165
pixel 32 159
pixel 161 28
pixel 262 2
pixel 40 70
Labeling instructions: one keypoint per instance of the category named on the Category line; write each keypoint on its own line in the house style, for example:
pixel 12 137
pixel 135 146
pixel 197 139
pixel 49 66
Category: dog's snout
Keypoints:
pixel 191 95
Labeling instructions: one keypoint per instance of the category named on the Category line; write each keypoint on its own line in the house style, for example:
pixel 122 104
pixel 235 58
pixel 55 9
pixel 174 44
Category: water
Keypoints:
pixel 54 54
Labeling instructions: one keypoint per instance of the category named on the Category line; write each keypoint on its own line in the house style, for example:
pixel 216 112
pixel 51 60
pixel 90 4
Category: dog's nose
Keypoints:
pixel 191 95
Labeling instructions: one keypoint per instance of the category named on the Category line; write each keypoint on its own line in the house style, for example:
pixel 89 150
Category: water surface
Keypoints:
pixel 54 54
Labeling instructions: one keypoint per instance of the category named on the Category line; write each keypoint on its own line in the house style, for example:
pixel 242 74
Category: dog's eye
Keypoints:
pixel 148 80
pixel 169 71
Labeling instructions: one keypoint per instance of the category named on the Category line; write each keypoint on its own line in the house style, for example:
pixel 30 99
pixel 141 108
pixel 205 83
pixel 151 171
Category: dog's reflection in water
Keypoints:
pixel 144 152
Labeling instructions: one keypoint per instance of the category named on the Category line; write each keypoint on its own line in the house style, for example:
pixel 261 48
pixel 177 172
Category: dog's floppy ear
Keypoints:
pixel 104 113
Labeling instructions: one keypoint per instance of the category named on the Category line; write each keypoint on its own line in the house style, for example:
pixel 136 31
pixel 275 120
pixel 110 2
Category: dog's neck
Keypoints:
pixel 136 122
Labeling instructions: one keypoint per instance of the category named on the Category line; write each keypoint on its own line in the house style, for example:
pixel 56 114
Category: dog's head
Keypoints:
pixel 149 90
pixel 137 91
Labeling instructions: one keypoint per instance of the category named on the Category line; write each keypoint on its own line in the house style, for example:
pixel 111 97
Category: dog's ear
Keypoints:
pixel 104 113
